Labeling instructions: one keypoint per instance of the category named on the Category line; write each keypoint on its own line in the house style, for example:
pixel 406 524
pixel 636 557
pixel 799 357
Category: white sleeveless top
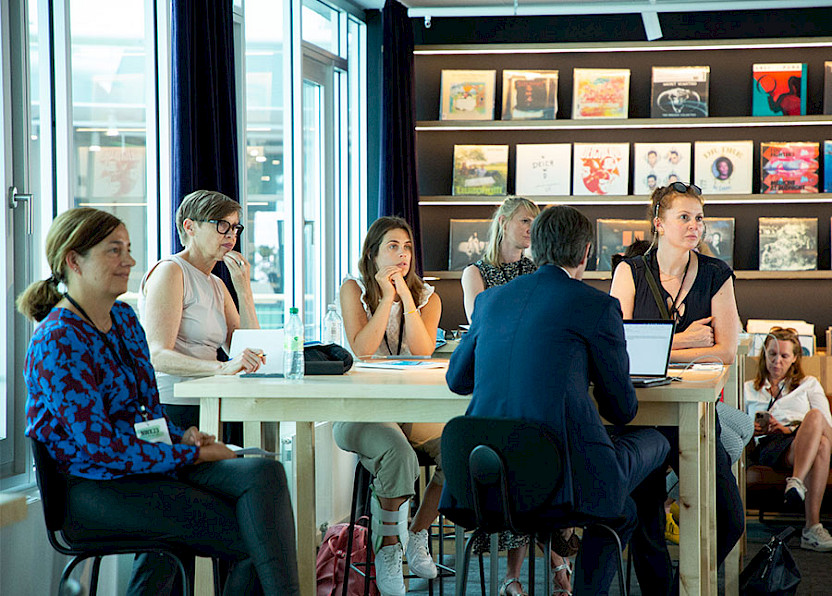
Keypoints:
pixel 394 322
pixel 202 328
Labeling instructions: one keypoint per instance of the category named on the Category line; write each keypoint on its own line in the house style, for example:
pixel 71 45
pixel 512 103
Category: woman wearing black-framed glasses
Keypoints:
pixel 188 312
pixel 674 280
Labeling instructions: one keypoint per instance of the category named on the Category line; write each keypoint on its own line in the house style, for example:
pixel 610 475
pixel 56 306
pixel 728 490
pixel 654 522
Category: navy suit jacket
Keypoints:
pixel 534 346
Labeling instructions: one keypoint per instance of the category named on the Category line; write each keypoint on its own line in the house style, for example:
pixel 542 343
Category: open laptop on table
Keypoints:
pixel 648 346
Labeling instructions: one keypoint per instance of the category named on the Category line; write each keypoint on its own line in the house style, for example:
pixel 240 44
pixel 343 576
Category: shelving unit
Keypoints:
pixel 761 294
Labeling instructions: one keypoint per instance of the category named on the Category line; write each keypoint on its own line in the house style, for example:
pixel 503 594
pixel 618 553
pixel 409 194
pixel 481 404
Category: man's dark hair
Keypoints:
pixel 560 235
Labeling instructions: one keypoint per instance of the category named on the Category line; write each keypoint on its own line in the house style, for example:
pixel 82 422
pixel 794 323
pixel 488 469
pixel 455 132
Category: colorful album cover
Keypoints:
pixel 601 93
pixel 615 235
pixel 779 89
pixel 790 167
pixel 718 240
pixel 723 167
pixel 530 94
pixel 543 170
pixel 469 238
pixel 827 168
pixel 658 164
pixel 788 243
pixel 601 169
pixel 679 92
pixel 467 95
pixel 480 169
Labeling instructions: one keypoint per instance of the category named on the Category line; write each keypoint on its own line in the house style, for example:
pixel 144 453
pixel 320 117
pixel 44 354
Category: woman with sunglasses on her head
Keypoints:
pixel 92 390
pixel 390 311
pixel 784 401
pixel 187 311
pixel 697 291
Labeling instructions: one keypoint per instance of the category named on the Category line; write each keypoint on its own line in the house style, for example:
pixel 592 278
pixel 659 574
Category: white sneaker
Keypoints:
pixel 389 576
pixel 795 492
pixel 816 538
pixel 419 560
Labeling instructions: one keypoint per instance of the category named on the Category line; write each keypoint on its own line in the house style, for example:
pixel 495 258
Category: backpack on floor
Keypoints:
pixel 331 560
pixel 773 570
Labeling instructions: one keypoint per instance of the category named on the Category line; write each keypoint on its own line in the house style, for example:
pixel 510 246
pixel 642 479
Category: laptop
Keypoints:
pixel 648 346
pixel 270 341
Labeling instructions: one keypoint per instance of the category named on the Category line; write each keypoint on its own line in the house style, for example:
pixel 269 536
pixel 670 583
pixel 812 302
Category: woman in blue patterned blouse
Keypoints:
pixel 92 392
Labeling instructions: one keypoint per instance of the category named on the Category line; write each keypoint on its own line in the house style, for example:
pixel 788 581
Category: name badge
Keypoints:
pixel 153 431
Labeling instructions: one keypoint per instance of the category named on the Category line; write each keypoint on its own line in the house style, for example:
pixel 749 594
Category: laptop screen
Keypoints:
pixel 648 346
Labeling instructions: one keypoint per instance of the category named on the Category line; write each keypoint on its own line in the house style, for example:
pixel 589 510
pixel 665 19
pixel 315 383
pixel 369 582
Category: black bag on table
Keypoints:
pixel 326 359
pixel 773 570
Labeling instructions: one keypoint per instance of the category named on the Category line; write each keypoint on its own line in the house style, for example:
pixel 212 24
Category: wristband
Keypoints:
pixel 410 312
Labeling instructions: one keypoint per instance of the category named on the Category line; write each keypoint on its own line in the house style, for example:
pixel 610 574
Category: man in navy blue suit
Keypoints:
pixel 534 346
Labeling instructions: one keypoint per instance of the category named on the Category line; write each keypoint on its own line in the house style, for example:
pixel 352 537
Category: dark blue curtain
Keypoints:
pixel 204 143
pixel 398 186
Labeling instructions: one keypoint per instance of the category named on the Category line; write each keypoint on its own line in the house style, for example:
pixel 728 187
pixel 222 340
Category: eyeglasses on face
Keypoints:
pixel 223 226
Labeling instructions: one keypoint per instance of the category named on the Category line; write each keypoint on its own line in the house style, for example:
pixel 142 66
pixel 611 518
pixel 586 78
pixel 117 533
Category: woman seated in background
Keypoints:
pixel 673 280
pixel 90 383
pixel 188 312
pixel 784 401
pixel 389 310
pixel 509 237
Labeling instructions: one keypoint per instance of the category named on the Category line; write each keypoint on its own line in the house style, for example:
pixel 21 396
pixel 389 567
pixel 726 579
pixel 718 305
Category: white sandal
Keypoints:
pixel 567 566
pixel 507 582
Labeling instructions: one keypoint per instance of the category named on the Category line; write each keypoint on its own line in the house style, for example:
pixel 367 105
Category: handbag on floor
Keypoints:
pixel 773 570
pixel 331 559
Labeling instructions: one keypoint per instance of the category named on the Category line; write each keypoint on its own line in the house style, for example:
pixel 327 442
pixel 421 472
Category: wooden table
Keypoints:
pixel 422 396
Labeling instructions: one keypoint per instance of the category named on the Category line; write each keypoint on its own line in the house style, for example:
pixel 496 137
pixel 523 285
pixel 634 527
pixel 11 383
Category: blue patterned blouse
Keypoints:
pixel 83 402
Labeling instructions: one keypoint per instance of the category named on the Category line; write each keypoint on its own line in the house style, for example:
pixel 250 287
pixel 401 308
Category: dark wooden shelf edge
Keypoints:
pixel 601 275
pixel 710 199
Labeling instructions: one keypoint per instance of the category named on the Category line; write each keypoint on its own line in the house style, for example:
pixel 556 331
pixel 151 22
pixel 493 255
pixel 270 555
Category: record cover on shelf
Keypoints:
pixel 790 167
pixel 601 169
pixel 827 169
pixel 658 164
pixel 723 167
pixel 718 240
pixel 467 95
pixel 601 93
pixel 778 89
pixel 530 94
pixel 679 92
pixel 543 170
pixel 788 243
pixel 469 237
pixel 827 90
pixel 615 235
pixel 480 169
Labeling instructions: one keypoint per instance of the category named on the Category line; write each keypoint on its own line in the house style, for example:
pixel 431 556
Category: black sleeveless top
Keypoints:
pixel 502 274
pixel 710 277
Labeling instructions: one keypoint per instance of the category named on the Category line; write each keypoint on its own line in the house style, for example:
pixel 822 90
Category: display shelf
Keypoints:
pixel 710 199
pixel 622 123
pixel 759 275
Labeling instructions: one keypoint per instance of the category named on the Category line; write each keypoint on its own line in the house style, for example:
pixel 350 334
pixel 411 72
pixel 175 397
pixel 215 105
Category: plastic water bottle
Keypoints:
pixel 333 326
pixel 293 354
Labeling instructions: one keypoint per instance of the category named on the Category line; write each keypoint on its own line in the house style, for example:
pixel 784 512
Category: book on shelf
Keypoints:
pixel 601 169
pixel 778 89
pixel 467 94
pixel 723 167
pixel 543 170
pixel 718 240
pixel 480 169
pixel 788 243
pixel 615 235
pixel 827 170
pixel 601 93
pixel 679 92
pixel 827 102
pixel 468 240
pixel 658 164
pixel 530 94
pixel 790 167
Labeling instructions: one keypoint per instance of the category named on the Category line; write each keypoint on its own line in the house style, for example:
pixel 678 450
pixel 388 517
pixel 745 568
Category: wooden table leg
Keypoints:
pixel 691 551
pixel 710 568
pixel 305 495
pixel 209 422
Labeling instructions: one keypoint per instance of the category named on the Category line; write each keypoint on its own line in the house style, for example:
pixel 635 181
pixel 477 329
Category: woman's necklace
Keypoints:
pixel 674 311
